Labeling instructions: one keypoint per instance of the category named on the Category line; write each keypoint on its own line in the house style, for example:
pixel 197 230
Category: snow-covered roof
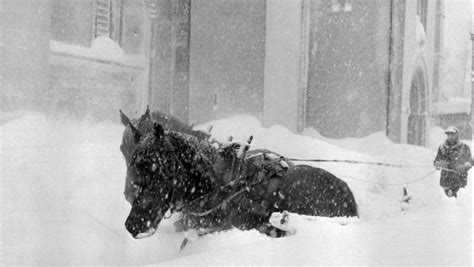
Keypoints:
pixel 453 106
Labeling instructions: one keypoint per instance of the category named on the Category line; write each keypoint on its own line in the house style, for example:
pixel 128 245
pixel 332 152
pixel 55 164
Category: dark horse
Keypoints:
pixel 216 188
pixel 136 128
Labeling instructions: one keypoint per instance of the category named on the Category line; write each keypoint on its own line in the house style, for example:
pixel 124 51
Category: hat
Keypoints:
pixel 451 129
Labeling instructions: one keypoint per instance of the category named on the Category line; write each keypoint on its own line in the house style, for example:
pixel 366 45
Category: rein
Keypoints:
pixel 372 163
pixel 224 202
pixel 361 162
pixel 184 205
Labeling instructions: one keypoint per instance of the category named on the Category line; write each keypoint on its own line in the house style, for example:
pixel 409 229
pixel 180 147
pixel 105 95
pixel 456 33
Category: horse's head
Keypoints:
pixel 153 169
pixel 135 129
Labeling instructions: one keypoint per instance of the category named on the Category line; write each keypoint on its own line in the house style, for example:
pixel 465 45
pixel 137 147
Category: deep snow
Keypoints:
pixel 62 203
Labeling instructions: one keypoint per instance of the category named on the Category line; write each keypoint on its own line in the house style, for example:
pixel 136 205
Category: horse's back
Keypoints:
pixel 314 191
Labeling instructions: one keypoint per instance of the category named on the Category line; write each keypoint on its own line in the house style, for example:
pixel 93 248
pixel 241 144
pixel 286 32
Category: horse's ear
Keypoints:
pixel 136 134
pixel 146 115
pixel 158 130
pixel 123 118
pixel 249 141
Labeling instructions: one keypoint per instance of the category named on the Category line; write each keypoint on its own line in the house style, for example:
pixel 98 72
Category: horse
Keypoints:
pixel 171 169
pixel 135 128
pixel 304 190
pixel 166 169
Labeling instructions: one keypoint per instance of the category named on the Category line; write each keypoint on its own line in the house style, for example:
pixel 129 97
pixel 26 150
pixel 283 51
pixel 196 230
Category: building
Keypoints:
pixel 90 58
pixel 298 63
pixel 97 60
pixel 317 63
pixel 24 45
pixel 452 102
pixel 472 71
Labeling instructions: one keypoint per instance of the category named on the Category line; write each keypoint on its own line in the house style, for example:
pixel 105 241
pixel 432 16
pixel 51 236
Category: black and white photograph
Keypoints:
pixel 236 132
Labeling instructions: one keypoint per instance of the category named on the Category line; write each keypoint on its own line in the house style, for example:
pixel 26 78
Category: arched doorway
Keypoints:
pixel 417 119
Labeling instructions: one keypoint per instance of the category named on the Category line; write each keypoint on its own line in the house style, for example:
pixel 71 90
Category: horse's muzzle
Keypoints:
pixel 148 233
pixel 139 227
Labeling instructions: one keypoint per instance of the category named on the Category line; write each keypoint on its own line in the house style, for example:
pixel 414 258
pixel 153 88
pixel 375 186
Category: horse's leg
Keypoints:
pixel 193 235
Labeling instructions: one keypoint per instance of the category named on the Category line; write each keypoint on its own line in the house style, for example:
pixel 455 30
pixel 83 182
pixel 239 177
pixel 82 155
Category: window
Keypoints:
pixel 71 21
pixel 108 19
pixel 422 11
pixel 341 5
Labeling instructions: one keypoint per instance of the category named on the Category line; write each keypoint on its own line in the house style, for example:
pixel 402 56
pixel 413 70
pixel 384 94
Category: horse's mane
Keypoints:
pixel 172 123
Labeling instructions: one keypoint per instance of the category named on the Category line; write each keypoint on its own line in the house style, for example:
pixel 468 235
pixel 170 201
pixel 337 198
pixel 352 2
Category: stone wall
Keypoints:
pixel 227 58
pixel 92 78
pixel 348 68
pixel 86 88
pixel 24 42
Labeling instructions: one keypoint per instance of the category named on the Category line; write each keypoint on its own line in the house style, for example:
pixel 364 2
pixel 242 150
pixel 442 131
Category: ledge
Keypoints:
pixel 454 106
pixel 117 58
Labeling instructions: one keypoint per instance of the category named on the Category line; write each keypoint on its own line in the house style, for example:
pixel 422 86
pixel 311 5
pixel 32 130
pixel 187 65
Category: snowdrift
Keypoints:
pixel 62 203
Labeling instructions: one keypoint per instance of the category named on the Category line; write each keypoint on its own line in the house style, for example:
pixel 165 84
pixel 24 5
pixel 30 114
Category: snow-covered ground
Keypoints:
pixel 62 203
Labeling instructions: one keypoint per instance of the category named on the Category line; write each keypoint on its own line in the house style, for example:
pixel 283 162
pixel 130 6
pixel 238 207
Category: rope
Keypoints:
pixel 361 162
pixel 390 184
pixel 379 164
pixel 224 202
pixel 227 200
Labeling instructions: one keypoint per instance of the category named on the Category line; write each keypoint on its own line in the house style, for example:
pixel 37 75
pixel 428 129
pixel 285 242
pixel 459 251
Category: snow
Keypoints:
pixel 102 48
pixel 62 203
pixel 420 32
pixel 453 106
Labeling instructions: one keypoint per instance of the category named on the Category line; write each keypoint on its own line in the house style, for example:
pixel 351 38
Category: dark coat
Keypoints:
pixel 453 157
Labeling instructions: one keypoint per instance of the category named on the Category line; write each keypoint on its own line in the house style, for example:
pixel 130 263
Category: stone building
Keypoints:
pixel 472 71
pixel 24 45
pixel 348 68
pixel 89 58
pixel 97 60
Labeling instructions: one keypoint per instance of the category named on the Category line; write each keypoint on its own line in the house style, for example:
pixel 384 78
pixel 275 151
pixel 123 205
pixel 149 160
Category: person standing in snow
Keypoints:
pixel 454 160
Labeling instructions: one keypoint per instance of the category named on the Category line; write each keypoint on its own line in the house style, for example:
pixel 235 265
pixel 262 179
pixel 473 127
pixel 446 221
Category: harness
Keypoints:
pixel 265 169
